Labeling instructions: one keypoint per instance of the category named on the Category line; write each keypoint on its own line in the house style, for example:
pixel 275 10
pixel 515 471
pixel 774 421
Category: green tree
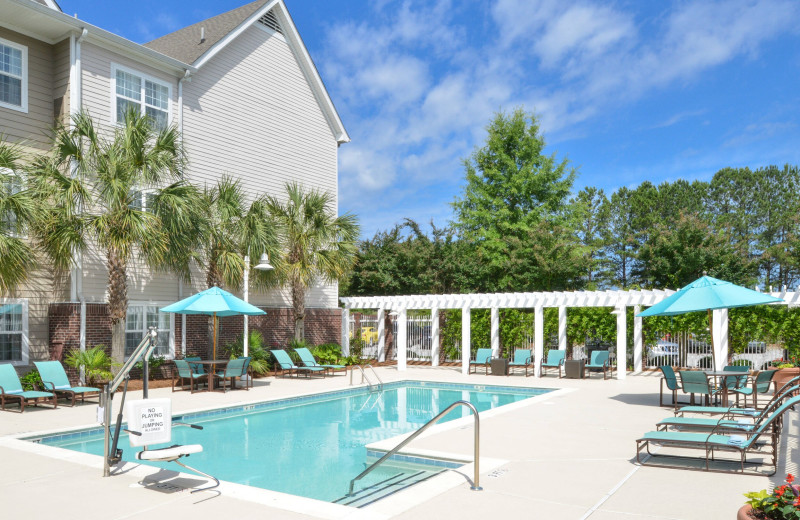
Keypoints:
pixel 590 216
pixel 315 244
pixel 117 189
pixel 18 209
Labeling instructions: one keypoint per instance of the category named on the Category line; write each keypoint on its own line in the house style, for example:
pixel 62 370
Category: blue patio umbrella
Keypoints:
pixel 706 294
pixel 213 302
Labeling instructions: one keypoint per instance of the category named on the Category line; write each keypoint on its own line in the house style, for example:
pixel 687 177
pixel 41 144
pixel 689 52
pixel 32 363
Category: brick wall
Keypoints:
pixel 64 323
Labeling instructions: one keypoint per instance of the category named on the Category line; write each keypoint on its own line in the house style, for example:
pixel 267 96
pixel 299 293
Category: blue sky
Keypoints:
pixel 627 90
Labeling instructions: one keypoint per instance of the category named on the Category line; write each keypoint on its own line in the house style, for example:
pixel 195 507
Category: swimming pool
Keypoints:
pixel 310 446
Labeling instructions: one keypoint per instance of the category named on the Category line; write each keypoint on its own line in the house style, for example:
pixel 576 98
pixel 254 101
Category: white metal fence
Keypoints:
pixel 418 334
pixel 691 350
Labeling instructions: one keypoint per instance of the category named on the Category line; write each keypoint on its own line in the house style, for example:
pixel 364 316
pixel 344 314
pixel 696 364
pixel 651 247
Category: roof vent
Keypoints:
pixel 202 35
pixel 271 21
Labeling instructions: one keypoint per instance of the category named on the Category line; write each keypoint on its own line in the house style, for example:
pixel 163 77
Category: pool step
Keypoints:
pixel 400 479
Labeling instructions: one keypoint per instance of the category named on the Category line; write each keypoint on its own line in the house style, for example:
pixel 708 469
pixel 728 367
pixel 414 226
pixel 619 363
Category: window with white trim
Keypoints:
pixel 12 184
pixel 13 75
pixel 143 200
pixel 147 95
pixel 139 320
pixel 14 331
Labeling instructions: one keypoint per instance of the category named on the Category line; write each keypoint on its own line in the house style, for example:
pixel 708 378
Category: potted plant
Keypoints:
pixel 96 364
pixel 782 504
pixel 787 369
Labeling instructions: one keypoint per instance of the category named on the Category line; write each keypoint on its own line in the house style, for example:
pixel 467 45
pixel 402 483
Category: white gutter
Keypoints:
pixel 186 76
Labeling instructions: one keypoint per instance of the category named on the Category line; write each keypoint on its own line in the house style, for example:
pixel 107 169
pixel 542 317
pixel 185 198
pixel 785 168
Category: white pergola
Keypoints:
pixel 619 300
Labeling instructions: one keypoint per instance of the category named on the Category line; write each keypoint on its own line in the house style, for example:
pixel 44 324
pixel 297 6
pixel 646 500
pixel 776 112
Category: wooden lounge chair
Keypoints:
pixel 555 359
pixel 55 380
pixel 307 359
pixel 287 366
pixel 483 357
pixel 183 373
pixel 11 390
pixel 234 369
pixel 600 361
pixel 522 359
pixel 713 442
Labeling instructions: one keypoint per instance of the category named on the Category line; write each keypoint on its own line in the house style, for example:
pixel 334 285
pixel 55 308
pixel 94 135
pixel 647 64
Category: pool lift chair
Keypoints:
pixel 149 420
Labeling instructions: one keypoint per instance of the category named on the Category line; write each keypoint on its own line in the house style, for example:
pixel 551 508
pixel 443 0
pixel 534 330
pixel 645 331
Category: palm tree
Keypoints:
pixel 17 211
pixel 120 189
pixel 316 245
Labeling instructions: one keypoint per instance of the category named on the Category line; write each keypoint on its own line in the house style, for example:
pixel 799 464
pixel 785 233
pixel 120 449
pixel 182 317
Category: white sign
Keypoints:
pixel 152 418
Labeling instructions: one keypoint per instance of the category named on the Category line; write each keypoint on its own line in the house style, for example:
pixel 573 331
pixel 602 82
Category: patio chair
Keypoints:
pixel 555 359
pixel 197 369
pixel 483 357
pixel 671 380
pixel 714 442
pixel 761 385
pixel 185 372
pixel 307 358
pixel 732 383
pixel 246 373
pixel 11 389
pixel 784 392
pixel 696 382
pixel 287 366
pixel 234 369
pixel 522 359
pixel 55 380
pixel 600 361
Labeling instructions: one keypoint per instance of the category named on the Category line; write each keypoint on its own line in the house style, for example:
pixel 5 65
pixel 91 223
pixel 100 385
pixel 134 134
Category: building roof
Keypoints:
pixel 186 45
pixel 49 3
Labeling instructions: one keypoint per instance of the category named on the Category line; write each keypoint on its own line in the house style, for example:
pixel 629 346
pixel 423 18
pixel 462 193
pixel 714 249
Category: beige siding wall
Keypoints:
pixel 250 113
pixel 61 79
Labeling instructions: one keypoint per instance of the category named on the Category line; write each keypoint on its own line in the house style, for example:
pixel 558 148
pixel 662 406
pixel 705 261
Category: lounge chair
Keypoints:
pixel 307 359
pixel 696 382
pixel 185 372
pixel 671 380
pixel 288 367
pixel 234 369
pixel 761 385
pixel 714 442
pixel 483 357
pixel 11 389
pixel 600 361
pixel 522 359
pixel 55 380
pixel 555 359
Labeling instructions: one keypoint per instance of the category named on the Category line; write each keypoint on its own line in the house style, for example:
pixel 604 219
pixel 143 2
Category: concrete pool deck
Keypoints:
pixel 567 456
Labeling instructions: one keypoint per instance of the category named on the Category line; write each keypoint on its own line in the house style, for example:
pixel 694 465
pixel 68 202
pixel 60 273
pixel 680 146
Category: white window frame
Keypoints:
pixel 24 99
pixel 144 77
pixel 12 173
pixel 142 196
pixel 25 343
pixel 157 305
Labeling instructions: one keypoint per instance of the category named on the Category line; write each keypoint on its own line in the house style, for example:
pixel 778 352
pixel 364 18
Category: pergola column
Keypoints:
pixel 466 340
pixel 346 331
pixel 402 339
pixel 495 332
pixel 638 342
pixel 622 342
pixel 381 334
pixel 719 331
pixel 538 339
pixel 562 328
pixel 435 337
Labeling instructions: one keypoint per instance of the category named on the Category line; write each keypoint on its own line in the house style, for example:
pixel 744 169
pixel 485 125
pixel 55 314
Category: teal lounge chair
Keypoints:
pixel 761 385
pixel 522 359
pixel 287 366
pixel 555 359
pixel 11 389
pixel 482 358
pixel 712 443
pixel 55 380
pixel 600 361
pixel 234 369
pixel 696 382
pixel 183 373
pixel 307 358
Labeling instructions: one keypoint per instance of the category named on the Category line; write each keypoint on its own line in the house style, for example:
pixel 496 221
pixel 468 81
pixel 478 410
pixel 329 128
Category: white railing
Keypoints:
pixel 368 331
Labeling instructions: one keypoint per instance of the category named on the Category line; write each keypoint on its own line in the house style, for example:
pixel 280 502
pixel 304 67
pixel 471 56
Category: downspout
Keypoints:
pixel 186 76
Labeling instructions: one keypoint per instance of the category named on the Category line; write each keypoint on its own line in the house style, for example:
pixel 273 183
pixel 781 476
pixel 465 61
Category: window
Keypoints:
pixel 143 200
pixel 146 95
pixel 14 331
pixel 11 185
pixel 13 76
pixel 139 320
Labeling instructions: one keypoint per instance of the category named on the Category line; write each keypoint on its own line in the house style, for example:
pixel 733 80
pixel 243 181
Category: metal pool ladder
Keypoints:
pixel 365 378
pixel 476 454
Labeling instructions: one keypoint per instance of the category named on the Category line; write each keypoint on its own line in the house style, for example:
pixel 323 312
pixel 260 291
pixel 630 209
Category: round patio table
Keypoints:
pixel 213 364
pixel 724 374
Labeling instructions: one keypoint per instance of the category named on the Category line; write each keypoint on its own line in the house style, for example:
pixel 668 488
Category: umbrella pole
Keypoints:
pixel 713 349
pixel 214 352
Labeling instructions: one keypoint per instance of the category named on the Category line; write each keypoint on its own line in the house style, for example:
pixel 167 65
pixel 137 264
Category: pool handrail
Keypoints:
pixel 476 454
pixel 364 376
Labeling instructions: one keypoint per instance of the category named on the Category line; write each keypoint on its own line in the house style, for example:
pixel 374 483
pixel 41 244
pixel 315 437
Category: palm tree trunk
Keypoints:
pixel 299 309
pixel 117 302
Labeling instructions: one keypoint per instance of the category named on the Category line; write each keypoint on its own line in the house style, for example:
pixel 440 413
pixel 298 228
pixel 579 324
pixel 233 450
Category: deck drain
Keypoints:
pixel 497 473
pixel 168 487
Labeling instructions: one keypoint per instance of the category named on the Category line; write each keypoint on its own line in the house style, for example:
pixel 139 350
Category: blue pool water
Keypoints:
pixel 310 446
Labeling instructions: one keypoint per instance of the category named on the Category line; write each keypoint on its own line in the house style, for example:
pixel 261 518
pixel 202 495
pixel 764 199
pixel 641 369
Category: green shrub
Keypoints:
pixel 154 365
pixel 31 381
pixel 95 361
pixel 328 354
pixel 260 358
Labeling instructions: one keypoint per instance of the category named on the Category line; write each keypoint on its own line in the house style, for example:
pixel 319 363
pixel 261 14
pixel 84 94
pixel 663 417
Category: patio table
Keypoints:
pixel 716 374
pixel 213 364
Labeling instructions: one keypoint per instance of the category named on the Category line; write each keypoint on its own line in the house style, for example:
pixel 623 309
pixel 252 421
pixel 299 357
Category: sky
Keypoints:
pixel 627 91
